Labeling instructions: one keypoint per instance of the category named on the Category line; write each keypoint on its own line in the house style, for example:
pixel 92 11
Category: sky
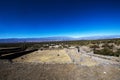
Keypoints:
pixel 45 18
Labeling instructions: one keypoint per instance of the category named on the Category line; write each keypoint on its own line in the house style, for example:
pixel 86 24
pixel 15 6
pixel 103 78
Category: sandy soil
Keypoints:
pixel 38 71
pixel 46 56
pixel 67 56
pixel 65 64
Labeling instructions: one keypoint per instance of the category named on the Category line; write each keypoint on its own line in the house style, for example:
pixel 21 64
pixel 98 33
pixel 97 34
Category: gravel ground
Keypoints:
pixel 38 71
pixel 83 67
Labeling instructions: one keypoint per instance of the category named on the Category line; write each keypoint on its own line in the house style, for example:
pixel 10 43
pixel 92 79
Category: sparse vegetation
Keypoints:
pixel 107 48
pixel 107 51
pixel 68 58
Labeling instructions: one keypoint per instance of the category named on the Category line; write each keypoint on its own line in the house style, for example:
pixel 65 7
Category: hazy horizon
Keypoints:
pixel 78 37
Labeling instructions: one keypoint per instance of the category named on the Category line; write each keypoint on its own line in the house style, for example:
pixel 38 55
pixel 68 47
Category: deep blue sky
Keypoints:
pixel 43 18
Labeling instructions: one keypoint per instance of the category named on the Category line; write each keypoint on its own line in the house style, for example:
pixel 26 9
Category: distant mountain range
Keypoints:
pixel 46 39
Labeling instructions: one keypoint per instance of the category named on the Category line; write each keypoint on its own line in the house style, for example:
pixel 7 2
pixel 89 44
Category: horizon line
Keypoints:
pixel 61 37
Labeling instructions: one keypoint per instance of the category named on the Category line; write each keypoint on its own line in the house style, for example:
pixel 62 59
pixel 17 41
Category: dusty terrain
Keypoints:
pixel 33 71
pixel 46 56
pixel 84 57
pixel 63 64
